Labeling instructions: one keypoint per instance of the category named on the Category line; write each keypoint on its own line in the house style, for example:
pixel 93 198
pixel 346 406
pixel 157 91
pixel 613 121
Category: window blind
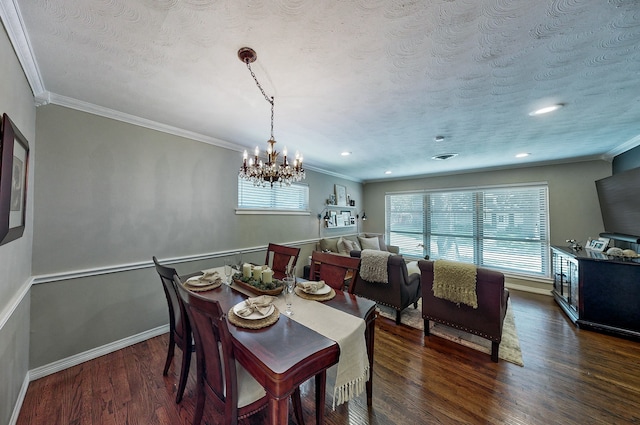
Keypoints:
pixel 285 198
pixel 499 227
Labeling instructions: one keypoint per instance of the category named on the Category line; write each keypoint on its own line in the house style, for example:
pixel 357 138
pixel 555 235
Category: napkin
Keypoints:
pixel 260 304
pixel 311 287
pixel 208 277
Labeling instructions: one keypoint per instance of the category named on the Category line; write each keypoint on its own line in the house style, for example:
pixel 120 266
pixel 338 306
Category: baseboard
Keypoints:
pixel 94 353
pixel 13 420
pixel 527 288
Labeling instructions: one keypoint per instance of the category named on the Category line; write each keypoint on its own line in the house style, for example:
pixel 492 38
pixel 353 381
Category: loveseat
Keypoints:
pixel 485 321
pixel 343 245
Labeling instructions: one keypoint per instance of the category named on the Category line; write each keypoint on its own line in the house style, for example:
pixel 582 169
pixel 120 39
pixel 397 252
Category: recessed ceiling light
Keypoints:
pixel 444 156
pixel 439 138
pixel 522 155
pixel 546 109
pixel 388 172
pixel 345 153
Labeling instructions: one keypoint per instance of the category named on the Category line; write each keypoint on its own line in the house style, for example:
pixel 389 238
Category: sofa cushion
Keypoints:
pixel 369 243
pixel 330 244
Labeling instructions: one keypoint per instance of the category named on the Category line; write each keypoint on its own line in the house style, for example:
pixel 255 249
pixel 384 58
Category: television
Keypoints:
pixel 619 197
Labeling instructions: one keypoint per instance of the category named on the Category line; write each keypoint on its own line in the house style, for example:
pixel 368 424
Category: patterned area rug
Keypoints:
pixel 509 347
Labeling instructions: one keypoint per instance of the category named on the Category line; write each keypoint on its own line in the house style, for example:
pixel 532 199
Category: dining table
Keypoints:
pixel 287 353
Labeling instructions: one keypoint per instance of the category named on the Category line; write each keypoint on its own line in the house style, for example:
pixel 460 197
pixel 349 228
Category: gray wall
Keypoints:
pixel 574 212
pixel 17 101
pixel 110 195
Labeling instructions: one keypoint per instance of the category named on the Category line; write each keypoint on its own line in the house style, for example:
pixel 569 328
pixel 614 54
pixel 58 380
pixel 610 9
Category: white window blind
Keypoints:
pixel 275 199
pixel 499 227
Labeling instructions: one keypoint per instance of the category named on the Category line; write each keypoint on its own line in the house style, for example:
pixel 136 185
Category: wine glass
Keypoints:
pixel 289 285
pixel 237 260
pixel 228 270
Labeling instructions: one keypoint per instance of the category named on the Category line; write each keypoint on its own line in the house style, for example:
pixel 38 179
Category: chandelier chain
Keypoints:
pixel 267 98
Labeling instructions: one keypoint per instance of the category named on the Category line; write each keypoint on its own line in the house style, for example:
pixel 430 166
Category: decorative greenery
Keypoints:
pixel 276 283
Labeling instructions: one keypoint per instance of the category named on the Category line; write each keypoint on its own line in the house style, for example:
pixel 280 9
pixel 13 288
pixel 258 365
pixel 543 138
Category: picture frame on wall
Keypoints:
pixel 14 171
pixel 341 195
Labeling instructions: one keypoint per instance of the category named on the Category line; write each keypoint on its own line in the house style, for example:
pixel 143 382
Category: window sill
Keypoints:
pixel 269 211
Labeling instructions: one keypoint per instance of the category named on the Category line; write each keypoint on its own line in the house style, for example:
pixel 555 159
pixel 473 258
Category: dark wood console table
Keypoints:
pixel 598 292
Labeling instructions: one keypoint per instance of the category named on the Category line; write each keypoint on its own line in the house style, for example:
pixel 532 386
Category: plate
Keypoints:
pixel 195 281
pixel 322 291
pixel 253 316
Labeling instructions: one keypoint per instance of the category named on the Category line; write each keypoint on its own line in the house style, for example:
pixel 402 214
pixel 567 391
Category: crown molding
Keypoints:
pixel 14 24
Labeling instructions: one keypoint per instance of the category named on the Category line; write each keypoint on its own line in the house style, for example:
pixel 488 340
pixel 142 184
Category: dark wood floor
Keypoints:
pixel 570 376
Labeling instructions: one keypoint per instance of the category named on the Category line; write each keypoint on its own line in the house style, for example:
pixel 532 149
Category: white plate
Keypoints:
pixel 253 316
pixel 322 291
pixel 195 281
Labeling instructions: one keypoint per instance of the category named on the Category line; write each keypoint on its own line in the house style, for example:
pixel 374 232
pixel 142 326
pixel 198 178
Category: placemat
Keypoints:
pixel 214 285
pixel 314 297
pixel 253 324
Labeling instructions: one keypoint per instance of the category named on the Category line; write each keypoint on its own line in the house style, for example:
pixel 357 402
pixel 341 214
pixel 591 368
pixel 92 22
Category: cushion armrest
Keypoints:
pixel 393 249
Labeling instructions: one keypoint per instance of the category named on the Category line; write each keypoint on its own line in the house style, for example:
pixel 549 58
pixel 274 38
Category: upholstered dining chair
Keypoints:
pixel 219 378
pixel 179 327
pixel 334 269
pixel 279 257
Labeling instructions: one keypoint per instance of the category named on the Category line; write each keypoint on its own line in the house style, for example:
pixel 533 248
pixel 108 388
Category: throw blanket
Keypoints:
pixel 373 265
pixel 455 282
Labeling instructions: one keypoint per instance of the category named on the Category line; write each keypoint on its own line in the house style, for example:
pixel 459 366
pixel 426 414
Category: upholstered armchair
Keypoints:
pixel 401 290
pixel 485 321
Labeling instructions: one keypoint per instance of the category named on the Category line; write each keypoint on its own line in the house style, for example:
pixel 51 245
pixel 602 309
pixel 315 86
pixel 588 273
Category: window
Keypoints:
pixel 504 228
pixel 272 200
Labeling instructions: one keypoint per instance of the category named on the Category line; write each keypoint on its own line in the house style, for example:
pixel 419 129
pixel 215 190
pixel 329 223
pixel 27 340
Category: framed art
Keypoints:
pixel 597 245
pixel 341 195
pixel 14 169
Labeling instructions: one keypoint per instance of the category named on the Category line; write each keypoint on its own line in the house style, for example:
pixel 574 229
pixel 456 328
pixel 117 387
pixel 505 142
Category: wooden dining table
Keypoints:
pixel 284 355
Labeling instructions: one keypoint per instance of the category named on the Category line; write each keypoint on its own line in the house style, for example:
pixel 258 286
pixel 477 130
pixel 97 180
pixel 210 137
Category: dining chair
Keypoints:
pixel 179 327
pixel 279 257
pixel 219 377
pixel 334 269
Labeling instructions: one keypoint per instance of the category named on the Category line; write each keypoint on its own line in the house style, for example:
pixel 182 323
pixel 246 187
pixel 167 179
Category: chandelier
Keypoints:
pixel 253 169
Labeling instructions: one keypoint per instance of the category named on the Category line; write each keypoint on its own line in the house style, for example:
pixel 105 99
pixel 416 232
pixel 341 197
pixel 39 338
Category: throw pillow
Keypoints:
pixel 383 245
pixel 345 246
pixel 330 244
pixel 369 243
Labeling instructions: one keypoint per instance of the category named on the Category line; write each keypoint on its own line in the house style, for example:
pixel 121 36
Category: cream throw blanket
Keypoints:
pixel 352 370
pixel 455 282
pixel 373 265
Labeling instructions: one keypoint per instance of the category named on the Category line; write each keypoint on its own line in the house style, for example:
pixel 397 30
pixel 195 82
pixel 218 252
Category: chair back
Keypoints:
pixel 280 257
pixel 179 324
pixel 216 376
pixel 334 269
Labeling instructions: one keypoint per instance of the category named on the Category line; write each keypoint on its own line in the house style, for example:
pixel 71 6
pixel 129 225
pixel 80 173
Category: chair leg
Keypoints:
pixel 197 416
pixel 494 351
pixel 170 351
pixel 397 317
pixel 184 372
pixel 297 406
pixel 426 327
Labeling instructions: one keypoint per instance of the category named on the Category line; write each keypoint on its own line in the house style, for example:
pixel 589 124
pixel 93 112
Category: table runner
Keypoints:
pixel 352 371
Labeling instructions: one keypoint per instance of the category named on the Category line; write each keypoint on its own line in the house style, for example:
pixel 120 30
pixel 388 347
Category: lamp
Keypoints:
pixel 270 172
pixel 364 216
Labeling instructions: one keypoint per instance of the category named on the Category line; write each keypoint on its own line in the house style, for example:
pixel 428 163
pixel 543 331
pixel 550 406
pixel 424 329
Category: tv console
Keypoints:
pixel 598 292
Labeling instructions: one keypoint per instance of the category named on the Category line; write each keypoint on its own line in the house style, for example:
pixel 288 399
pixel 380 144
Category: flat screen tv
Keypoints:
pixel 619 197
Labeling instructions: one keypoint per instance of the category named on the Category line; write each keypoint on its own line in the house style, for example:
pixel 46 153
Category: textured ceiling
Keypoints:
pixel 378 78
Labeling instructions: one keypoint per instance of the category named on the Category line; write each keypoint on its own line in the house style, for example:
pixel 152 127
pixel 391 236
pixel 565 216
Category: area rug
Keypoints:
pixel 509 346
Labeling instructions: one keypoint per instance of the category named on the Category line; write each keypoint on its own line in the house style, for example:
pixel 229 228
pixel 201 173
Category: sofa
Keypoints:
pixel 343 245
pixel 485 321
pixel 401 290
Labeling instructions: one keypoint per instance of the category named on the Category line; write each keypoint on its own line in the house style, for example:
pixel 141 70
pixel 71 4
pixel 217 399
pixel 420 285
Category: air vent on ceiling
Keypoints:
pixel 444 156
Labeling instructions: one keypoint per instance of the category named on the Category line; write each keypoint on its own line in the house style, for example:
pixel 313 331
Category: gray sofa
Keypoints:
pixel 343 245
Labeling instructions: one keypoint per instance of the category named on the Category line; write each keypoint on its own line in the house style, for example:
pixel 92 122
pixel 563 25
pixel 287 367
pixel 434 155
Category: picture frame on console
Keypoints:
pixel 14 170
pixel 598 245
